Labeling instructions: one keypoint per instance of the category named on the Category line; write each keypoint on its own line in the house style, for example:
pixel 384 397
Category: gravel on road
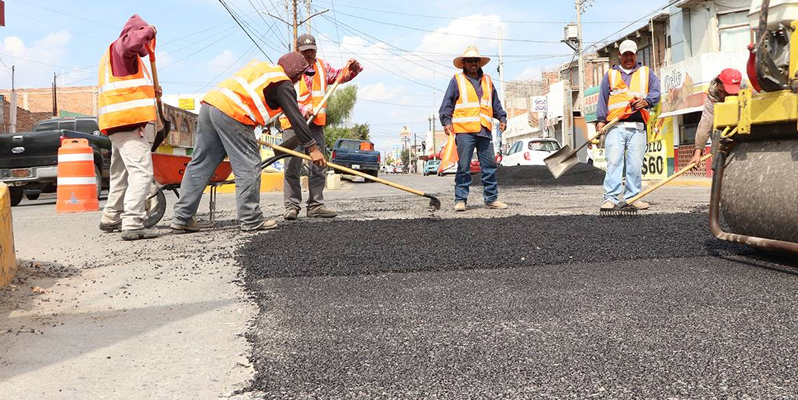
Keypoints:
pixel 517 308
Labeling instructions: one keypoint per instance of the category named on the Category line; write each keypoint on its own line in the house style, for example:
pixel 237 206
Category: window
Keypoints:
pixel 87 126
pixel 598 73
pixel 545 145
pixel 47 126
pixel 734 31
pixel 516 148
pixel 689 127
pixel 68 125
pixel 644 56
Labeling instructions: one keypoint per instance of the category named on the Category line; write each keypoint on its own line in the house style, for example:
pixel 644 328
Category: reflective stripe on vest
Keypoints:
pixel 312 96
pixel 621 94
pixel 125 100
pixel 241 96
pixel 470 112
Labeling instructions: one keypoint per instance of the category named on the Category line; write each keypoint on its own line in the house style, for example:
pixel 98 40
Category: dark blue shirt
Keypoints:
pixel 453 93
pixel 604 94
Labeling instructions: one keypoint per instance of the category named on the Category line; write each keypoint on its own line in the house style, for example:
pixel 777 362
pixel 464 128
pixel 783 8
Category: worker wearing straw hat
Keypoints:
pixel 469 107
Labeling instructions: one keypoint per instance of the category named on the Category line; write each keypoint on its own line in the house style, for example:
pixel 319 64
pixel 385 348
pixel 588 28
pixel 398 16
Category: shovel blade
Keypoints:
pixel 561 161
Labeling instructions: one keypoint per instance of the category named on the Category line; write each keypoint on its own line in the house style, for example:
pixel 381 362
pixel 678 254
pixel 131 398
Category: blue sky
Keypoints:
pixel 406 47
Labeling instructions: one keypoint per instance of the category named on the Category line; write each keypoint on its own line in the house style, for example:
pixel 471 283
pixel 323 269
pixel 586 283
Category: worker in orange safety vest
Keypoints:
pixel 126 106
pixel 310 92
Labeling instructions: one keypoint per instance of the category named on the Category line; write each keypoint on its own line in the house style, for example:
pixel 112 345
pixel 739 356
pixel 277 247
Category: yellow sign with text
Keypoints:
pixel 186 104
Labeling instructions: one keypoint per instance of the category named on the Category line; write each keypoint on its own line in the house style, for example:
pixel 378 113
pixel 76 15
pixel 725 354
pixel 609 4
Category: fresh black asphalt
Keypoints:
pixel 519 308
pixel 537 175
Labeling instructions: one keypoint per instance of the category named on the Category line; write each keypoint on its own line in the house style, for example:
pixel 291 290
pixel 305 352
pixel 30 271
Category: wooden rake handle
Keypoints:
pixel 330 91
pixel 681 172
pixel 343 169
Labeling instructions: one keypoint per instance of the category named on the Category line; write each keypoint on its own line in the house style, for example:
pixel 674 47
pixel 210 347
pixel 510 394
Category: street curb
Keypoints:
pixel 8 257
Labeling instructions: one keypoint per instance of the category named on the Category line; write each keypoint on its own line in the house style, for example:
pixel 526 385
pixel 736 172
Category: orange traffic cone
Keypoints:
pixel 77 183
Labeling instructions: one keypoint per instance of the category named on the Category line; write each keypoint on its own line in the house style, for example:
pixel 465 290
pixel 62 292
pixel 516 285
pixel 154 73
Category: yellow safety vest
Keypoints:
pixel 125 100
pixel 470 112
pixel 312 95
pixel 621 95
pixel 241 96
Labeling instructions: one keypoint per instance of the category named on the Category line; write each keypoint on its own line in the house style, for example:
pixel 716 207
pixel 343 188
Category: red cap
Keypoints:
pixel 731 80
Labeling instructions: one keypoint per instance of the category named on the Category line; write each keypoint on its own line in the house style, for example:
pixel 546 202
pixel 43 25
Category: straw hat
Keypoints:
pixel 471 52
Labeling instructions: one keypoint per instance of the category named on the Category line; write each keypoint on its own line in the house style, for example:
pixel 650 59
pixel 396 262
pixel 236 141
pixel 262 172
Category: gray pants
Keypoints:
pixel 292 190
pixel 218 136
pixel 131 174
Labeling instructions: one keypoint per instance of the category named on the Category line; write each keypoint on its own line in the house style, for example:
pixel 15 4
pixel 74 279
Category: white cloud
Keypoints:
pixel 35 64
pixel 529 73
pixel 222 61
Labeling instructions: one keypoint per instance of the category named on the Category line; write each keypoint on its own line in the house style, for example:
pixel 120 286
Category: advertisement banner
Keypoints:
pixel 591 102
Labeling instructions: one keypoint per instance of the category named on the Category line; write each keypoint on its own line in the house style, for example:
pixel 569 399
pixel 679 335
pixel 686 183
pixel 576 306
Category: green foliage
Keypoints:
pixel 341 104
pixel 333 133
pixel 406 157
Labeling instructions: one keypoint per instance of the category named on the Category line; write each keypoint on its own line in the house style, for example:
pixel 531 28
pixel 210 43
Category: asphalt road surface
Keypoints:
pixel 519 307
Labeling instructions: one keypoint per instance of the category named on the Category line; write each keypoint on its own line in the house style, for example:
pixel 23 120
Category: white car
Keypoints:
pixel 530 152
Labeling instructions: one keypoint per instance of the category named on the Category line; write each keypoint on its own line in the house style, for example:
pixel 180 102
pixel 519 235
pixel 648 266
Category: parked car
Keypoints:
pixel 530 152
pixel 356 154
pixel 431 167
pixel 29 160
pixel 474 168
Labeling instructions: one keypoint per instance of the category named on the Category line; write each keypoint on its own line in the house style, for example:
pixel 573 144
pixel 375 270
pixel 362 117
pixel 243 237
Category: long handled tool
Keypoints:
pixel 564 159
pixel 626 207
pixel 433 201
pixel 161 135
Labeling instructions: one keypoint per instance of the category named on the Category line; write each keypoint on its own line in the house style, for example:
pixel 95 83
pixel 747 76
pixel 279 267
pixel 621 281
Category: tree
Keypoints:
pixel 361 131
pixel 341 104
pixel 406 157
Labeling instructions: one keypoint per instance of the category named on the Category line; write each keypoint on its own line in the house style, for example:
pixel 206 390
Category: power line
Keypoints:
pixel 245 31
pixel 448 33
pixel 668 4
pixel 478 20
pixel 392 104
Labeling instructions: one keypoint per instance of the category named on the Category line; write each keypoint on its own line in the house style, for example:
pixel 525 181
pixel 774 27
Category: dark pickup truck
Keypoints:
pixel 356 154
pixel 29 160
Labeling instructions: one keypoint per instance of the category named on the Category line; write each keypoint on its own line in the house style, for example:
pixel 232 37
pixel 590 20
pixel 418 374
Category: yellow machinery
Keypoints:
pixel 755 181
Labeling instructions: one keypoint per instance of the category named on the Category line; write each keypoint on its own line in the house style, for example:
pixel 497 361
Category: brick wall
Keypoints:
pixel 25 119
pixel 79 99
pixel 684 153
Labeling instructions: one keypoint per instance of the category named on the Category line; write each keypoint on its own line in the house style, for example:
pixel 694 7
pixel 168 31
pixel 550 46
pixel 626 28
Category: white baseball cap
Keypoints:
pixel 628 45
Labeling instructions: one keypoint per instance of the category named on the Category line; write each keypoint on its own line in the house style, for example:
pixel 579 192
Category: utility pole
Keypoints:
pixel 581 97
pixel 13 106
pixel 415 151
pixel 293 26
pixel 501 78
pixel 307 6
pixel 296 24
pixel 55 96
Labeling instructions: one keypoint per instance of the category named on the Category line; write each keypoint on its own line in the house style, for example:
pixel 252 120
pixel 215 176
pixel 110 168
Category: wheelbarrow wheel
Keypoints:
pixel 156 207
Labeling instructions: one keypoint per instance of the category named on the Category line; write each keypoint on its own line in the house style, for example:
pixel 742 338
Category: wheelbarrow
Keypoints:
pixel 168 170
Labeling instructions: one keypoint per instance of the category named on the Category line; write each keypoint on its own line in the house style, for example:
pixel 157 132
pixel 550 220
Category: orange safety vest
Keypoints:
pixel 125 100
pixel 312 95
pixel 241 96
pixel 621 95
pixel 470 112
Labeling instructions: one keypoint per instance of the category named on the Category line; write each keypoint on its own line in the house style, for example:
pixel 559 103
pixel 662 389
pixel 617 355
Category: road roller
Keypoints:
pixel 755 172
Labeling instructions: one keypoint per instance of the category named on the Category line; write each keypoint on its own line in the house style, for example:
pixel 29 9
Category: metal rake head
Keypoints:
pixel 619 211
pixel 434 202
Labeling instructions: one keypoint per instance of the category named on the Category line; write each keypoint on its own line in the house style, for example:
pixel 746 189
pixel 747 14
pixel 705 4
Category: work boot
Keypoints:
pixel 498 205
pixel 136 234
pixel 191 226
pixel 290 214
pixel 459 206
pixel 108 228
pixel 607 206
pixel 641 205
pixel 321 212
pixel 264 226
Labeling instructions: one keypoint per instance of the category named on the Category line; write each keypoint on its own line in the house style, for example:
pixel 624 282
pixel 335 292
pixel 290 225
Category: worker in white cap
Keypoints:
pixel 627 92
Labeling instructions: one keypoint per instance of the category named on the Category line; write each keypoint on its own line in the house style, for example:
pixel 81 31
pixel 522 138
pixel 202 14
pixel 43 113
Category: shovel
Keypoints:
pixel 564 159
pixel 161 135
pixel 434 203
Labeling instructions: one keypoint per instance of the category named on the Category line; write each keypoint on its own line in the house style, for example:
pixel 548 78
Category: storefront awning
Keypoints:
pixel 681 111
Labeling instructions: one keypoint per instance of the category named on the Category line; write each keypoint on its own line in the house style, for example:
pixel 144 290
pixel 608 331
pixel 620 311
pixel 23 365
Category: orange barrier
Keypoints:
pixel 77 184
